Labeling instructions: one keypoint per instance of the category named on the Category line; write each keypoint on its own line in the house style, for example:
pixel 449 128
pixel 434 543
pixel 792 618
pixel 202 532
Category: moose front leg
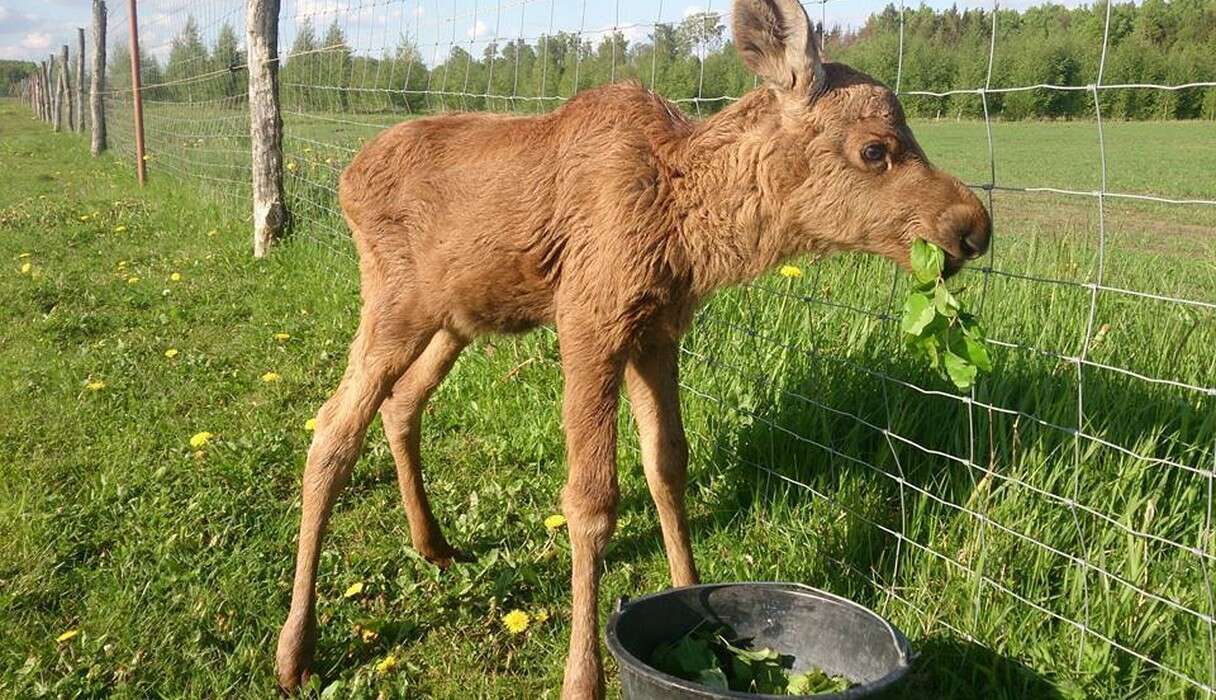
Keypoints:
pixel 589 499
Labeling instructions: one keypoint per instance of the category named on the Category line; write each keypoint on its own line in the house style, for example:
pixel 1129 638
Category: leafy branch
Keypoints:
pixel 935 325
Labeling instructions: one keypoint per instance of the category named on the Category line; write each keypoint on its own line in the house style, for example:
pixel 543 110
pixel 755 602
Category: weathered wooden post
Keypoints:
pixel 98 84
pixel 52 88
pixel 63 120
pixel 265 124
pixel 136 96
pixel 79 101
pixel 48 69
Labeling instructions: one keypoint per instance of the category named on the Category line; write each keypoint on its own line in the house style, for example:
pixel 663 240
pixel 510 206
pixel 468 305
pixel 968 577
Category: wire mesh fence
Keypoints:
pixel 1071 491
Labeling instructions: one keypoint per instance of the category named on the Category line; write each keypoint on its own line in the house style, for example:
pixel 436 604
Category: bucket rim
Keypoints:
pixel 640 666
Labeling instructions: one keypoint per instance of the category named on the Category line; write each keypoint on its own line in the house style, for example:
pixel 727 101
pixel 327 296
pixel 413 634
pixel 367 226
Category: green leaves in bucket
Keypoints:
pixel 936 326
pixel 712 656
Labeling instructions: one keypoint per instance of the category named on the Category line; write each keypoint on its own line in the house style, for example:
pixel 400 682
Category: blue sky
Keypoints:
pixel 33 29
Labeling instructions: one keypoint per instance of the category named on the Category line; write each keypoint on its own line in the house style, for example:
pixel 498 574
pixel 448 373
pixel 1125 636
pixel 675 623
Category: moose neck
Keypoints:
pixel 736 171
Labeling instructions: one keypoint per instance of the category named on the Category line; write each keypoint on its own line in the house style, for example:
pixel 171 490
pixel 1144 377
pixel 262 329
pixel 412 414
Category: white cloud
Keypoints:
pixel 36 40
pixel 4 13
pixel 476 30
pixel 636 33
pixel 693 10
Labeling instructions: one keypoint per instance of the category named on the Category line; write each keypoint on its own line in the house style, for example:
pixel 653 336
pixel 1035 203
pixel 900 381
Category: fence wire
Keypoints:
pixel 1071 491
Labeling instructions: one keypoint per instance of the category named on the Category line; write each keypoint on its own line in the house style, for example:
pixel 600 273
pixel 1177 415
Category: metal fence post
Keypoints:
pixel 136 96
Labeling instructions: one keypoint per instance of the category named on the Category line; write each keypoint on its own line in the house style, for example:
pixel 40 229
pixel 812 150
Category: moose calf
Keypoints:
pixel 612 217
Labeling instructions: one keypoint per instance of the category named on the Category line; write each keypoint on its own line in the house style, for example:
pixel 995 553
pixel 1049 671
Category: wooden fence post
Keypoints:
pixel 79 101
pixel 98 84
pixel 52 88
pixel 63 120
pixel 265 124
pixel 48 69
pixel 137 99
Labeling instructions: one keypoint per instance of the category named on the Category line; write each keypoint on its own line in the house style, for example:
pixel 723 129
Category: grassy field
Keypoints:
pixel 1024 558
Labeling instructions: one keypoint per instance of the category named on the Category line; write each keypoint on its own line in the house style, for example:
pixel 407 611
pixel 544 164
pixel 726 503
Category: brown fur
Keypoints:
pixel 612 217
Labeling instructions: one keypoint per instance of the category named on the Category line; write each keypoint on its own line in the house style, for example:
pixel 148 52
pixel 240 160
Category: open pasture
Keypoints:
pixel 1047 536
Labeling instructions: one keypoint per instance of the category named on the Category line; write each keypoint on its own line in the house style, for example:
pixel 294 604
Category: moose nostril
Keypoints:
pixel 973 244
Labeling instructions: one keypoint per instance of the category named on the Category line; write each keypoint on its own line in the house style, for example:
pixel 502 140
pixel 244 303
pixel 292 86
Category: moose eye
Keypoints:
pixel 874 153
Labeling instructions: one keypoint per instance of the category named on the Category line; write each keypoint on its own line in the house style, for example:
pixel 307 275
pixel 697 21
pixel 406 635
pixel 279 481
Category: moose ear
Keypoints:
pixel 774 38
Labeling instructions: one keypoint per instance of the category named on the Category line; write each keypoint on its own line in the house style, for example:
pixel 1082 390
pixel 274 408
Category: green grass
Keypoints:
pixel 175 567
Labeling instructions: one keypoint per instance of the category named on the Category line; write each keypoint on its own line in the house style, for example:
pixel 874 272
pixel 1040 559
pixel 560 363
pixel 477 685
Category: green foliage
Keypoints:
pixel 935 325
pixel 707 655
pixel 13 72
pixel 694 59
pixel 177 571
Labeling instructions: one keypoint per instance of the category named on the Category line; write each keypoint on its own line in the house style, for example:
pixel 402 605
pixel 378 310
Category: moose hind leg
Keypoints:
pixel 379 355
pixel 652 380
pixel 402 415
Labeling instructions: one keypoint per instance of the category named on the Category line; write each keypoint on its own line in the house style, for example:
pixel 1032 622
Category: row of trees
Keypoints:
pixel 1156 42
pixel 193 72
pixel 13 72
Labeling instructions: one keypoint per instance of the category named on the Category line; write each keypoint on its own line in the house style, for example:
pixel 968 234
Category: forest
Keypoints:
pixel 1155 42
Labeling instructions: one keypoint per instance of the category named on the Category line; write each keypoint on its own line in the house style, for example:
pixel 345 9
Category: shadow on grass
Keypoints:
pixel 825 425
pixel 953 668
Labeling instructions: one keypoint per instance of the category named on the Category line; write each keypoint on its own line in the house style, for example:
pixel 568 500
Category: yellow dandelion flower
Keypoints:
pixel 119 228
pixel 291 166
pixel 368 636
pixel 271 377
pixel 95 385
pixel 353 590
pixel 24 256
pixel 212 232
pixel 790 271
pixel 147 157
pixel 555 521
pixel 132 280
pixel 541 615
pixel 310 424
pixel 84 217
pixel 282 337
pixel 171 353
pixel 175 277
pixel 25 268
pixel 200 439
pixel 516 621
pixel 66 636
pixel 386 665
pixel 122 264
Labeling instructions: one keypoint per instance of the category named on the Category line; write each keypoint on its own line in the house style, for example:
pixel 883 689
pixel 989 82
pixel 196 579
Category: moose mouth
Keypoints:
pixel 954 264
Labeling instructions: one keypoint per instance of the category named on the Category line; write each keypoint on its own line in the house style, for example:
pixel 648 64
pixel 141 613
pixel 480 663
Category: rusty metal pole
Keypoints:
pixel 137 98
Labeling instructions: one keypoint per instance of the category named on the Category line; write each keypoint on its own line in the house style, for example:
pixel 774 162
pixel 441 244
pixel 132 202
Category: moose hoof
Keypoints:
pixel 293 660
pixel 444 555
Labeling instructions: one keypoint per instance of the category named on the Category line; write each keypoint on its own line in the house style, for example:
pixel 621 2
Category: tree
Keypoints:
pixel 227 58
pixel 187 60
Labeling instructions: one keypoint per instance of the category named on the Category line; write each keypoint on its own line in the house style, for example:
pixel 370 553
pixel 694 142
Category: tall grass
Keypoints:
pixel 1018 553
